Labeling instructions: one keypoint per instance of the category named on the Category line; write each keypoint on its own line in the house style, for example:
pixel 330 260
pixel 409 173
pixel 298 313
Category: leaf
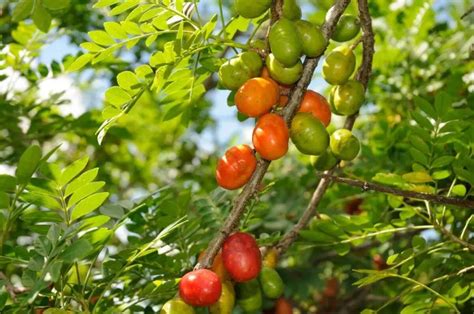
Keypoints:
pixel 114 211
pixel 421 120
pixel 88 205
pixel 83 179
pixel 442 103
pixel 42 18
pixel 124 7
pixel 72 171
pixel 29 162
pixel 418 242
pixel 418 156
pixel 56 4
pixel 389 179
pixel 441 174
pixel 22 10
pixel 417 177
pixel 128 80
pixel 115 30
pixel 80 62
pixel 105 3
pixel 238 24
pixel 117 96
pixel 425 106
pixel 442 161
pixel 459 190
pixel 93 222
pixel 84 191
pixel 101 38
pixel 419 144
pixel 131 28
pixel 4 201
pixel 7 183
pixel 76 251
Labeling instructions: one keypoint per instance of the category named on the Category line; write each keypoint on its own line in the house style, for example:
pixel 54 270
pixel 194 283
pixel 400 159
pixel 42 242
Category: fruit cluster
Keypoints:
pixel 240 263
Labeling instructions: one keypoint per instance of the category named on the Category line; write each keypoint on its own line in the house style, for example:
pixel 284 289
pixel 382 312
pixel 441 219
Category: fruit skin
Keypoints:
pixel 283 306
pixel 236 71
pixel 271 282
pixel 236 167
pixel 311 37
pixel 284 42
pixel 251 8
pixel 348 98
pixel 176 306
pixel 217 266
pixel 344 145
pixel 353 207
pixel 331 288
pixel 347 28
pixel 379 262
pixel 308 134
pixel 200 287
pixel 253 61
pixel 324 162
pixel 339 65
pixel 317 105
pixel 270 136
pixel 282 74
pixel 291 10
pixel 257 96
pixel 241 256
pixel 226 302
pixel 271 258
pixel 249 296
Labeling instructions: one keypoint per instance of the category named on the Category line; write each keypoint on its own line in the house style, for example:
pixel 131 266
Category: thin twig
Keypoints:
pixel 471 9
pixel 362 76
pixel 251 188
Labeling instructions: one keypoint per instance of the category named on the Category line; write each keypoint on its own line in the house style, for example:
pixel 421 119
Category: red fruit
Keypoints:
pixel 317 105
pixel 353 206
pixel 257 96
pixel 242 257
pixel 379 262
pixel 332 288
pixel 283 306
pixel 270 136
pixel 236 167
pixel 200 288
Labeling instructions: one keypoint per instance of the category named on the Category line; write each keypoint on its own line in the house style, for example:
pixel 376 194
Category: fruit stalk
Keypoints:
pixel 251 188
pixel 362 76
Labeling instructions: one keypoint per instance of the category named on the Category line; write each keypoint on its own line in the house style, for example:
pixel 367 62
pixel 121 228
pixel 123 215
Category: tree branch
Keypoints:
pixel 362 76
pixel 469 11
pixel 251 188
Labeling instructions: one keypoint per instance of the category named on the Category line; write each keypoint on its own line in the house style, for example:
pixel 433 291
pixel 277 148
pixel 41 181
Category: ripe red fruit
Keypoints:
pixel 353 207
pixel 200 287
pixel 332 288
pixel 283 306
pixel 379 262
pixel 236 167
pixel 270 136
pixel 317 105
pixel 242 257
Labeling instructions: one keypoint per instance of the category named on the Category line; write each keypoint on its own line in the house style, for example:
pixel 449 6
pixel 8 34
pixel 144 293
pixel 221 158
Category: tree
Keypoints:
pixel 115 209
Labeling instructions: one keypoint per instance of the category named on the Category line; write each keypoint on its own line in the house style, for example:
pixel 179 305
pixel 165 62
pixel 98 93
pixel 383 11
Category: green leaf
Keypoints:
pixel 105 3
pixel 84 191
pixel 91 47
pixel 418 156
pixel 422 120
pixel 418 242
pixel 80 62
pixel 459 190
pixel 7 183
pixel 421 145
pixel 56 4
pixel 22 10
pixel 76 251
pixel 101 38
pixel 417 177
pixel 114 211
pixel 440 174
pixel 442 161
pixel 115 30
pixel 425 106
pixel 128 80
pixel 443 103
pixel 80 181
pixel 392 259
pixel 42 18
pixel 88 205
pixel 389 179
pixel 124 7
pixel 238 24
pixel 131 28
pixel 71 171
pixel 29 162
pixel 4 201
pixel 93 222
pixel 116 96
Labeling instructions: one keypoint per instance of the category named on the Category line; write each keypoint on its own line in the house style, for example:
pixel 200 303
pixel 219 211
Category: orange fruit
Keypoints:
pixel 317 105
pixel 257 96
pixel 270 136
pixel 236 167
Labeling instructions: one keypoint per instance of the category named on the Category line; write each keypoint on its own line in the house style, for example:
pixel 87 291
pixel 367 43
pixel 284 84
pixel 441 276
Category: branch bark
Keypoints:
pixel 363 75
pixel 251 188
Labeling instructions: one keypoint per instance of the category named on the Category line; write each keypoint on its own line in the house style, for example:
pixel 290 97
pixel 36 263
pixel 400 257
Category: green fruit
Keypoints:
pixel 226 302
pixel 339 65
pixel 252 8
pixel 348 98
pixel 291 10
pixel 258 44
pixel 253 61
pixel 284 42
pixel 272 284
pixel 176 306
pixel 323 162
pixel 331 101
pixel 282 74
pixel 311 38
pixel 344 145
pixel 347 28
pixel 249 296
pixel 309 134
pixel 233 73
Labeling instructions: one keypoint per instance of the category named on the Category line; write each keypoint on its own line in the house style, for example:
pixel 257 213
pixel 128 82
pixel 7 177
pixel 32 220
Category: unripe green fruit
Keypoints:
pixel 311 38
pixel 252 8
pixel 282 74
pixel 347 28
pixel 226 302
pixel 258 44
pixel 339 65
pixel 285 43
pixel 253 61
pixel 176 306
pixel 272 284
pixel 344 145
pixel 309 134
pixel 324 162
pixel 249 296
pixel 236 71
pixel 348 98
pixel 291 10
